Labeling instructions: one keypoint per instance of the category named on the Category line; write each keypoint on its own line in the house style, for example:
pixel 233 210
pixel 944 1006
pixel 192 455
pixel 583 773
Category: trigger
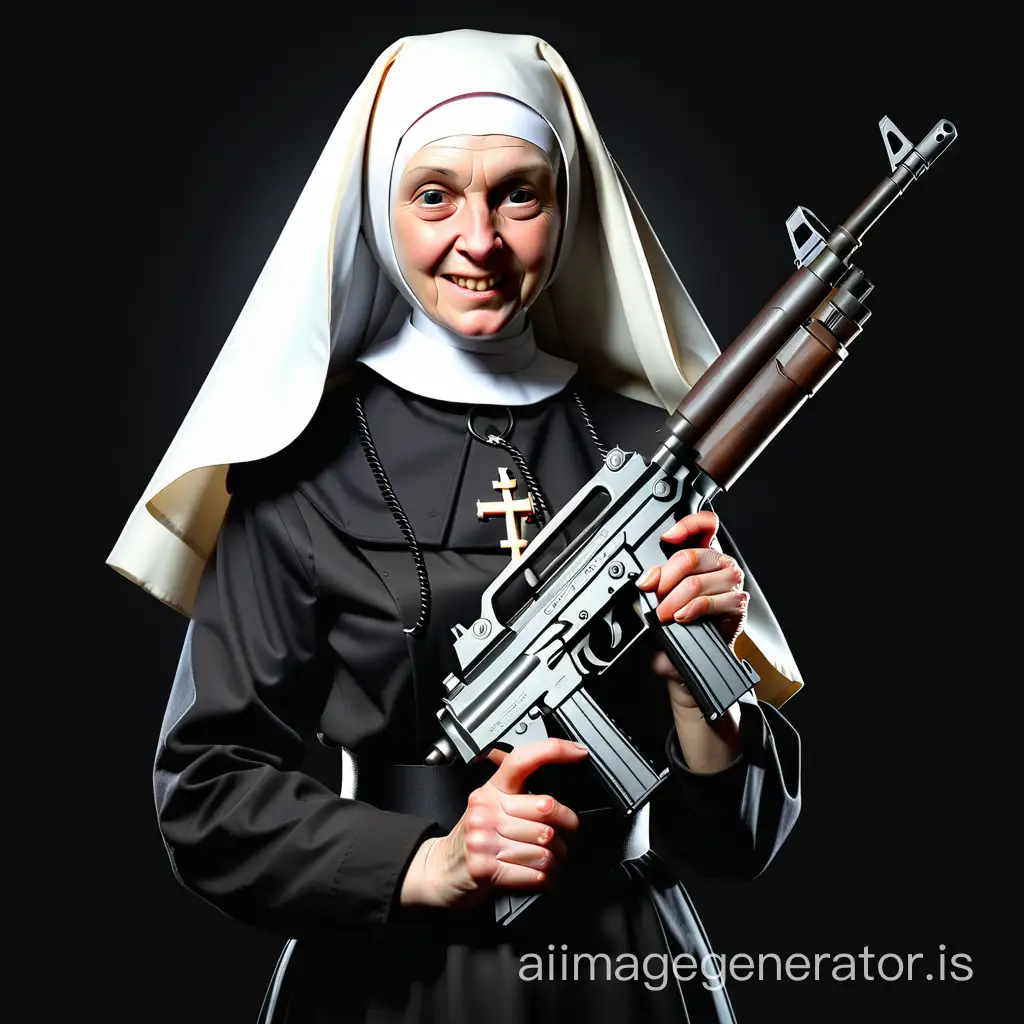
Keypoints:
pixel 614 627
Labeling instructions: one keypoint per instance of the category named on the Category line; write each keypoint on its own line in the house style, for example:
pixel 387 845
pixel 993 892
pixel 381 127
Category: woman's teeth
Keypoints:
pixel 474 284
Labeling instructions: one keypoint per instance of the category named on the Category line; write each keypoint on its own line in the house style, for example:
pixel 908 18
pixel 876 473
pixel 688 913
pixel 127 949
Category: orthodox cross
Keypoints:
pixel 509 507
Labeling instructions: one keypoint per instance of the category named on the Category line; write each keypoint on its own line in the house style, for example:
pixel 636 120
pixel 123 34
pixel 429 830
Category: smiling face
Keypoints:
pixel 475 224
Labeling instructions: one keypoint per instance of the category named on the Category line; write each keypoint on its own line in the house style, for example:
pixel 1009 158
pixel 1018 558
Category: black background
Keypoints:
pixel 868 520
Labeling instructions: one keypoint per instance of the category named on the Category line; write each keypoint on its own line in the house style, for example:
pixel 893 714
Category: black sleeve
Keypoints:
pixel 244 828
pixel 730 823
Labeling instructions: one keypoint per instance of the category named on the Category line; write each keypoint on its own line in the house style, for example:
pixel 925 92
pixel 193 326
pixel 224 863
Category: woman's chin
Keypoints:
pixel 478 323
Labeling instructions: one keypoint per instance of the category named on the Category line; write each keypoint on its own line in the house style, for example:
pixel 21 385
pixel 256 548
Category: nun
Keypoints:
pixel 466 310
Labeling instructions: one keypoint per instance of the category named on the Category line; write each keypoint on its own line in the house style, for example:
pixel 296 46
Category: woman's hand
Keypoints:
pixel 695 582
pixel 506 838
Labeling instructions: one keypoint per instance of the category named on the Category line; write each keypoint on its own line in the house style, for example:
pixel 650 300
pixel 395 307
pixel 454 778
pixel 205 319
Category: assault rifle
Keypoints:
pixel 568 609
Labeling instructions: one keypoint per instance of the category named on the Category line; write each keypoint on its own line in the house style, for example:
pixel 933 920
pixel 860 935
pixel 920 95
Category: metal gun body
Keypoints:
pixel 565 613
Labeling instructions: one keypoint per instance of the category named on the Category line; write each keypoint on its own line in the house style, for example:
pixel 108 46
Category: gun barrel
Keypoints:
pixel 790 307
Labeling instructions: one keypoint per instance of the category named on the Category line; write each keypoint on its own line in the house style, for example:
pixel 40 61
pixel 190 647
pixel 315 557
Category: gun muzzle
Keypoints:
pixel 908 163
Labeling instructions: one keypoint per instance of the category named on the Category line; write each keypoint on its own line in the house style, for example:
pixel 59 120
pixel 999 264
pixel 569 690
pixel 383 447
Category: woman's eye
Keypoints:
pixel 520 195
pixel 432 197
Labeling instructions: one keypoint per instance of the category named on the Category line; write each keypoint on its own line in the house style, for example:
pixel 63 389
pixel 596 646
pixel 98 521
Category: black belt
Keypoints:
pixel 430 791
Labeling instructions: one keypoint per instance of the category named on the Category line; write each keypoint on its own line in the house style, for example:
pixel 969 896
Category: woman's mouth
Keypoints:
pixel 480 287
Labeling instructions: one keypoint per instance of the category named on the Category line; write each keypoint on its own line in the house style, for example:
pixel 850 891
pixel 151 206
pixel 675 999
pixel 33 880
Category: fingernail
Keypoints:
pixel 681 614
pixel 580 745
pixel 646 578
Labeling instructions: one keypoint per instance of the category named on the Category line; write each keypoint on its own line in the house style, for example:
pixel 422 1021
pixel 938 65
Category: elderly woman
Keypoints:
pixel 466 306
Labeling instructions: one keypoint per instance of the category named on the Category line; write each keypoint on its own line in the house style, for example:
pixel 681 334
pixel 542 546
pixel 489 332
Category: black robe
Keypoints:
pixel 297 630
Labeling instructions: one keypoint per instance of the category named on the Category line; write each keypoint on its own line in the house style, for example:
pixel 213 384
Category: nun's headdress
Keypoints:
pixel 613 305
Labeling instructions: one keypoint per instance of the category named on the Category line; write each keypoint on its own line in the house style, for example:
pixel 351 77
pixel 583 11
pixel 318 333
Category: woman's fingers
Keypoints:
pixel 662 580
pixel 492 859
pixel 690 574
pixel 520 832
pixel 698 528
pixel 516 768
pixel 541 810
pixel 488 842
pixel 691 562
pixel 733 604
pixel 516 850
pixel 509 876
pixel 712 585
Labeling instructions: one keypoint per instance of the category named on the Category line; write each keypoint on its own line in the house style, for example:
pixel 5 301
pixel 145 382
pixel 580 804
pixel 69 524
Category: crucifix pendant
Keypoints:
pixel 510 508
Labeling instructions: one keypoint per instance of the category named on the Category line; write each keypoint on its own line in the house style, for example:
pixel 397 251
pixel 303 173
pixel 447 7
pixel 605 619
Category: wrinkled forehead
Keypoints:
pixel 457 155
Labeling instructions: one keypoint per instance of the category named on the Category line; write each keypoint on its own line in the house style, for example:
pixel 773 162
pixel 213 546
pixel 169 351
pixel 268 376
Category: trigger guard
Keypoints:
pixel 610 641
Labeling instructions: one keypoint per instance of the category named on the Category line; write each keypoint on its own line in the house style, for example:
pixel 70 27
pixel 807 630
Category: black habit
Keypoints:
pixel 297 630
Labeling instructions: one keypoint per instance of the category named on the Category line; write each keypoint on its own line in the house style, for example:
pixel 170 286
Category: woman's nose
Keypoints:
pixel 478 234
